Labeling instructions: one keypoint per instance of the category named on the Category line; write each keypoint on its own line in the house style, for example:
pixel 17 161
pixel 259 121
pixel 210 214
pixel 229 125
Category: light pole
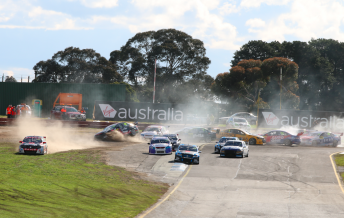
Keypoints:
pixel 258 106
pixel 280 88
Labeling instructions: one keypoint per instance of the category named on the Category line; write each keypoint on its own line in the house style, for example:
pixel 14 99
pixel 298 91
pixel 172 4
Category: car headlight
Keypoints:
pixel 239 151
pixel 222 151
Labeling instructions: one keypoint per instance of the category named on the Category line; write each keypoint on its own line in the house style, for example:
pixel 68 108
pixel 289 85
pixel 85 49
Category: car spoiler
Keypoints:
pixel 300 134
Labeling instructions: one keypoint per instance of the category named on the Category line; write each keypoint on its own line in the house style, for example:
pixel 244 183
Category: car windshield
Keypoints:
pixel 239 120
pixel 316 134
pixel 233 143
pixel 71 109
pixel 173 137
pixel 33 139
pixel 187 148
pixel 155 141
pixel 152 129
pixel 226 139
pixel 109 127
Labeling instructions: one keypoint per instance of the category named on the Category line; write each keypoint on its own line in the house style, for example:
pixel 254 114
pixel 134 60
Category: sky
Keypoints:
pixel 34 30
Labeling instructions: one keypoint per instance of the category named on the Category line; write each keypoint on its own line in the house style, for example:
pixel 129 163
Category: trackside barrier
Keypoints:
pixel 87 124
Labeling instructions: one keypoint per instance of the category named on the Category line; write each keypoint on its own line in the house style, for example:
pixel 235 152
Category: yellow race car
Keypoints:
pixel 243 135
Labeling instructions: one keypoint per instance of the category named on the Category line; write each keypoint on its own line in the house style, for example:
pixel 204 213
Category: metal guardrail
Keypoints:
pixel 70 123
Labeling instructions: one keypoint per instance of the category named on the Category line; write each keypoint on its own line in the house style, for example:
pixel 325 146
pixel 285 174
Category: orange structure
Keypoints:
pixel 69 99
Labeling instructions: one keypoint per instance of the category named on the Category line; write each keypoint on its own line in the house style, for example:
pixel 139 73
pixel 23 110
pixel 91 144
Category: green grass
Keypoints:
pixel 70 184
pixel 339 159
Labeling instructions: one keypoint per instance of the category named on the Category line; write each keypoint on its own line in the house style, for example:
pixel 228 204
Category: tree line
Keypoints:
pixel 312 72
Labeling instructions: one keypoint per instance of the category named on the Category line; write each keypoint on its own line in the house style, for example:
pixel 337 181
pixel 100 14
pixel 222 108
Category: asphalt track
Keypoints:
pixel 274 181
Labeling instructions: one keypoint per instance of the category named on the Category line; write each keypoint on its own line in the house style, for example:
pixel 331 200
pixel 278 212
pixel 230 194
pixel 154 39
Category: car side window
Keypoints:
pixel 240 132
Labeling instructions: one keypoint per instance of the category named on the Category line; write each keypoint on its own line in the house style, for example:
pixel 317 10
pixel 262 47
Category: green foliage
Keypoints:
pixel 74 65
pixel 180 59
pixel 10 79
pixel 70 184
pixel 321 69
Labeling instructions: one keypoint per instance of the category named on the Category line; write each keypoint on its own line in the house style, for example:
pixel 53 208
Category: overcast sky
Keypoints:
pixel 33 30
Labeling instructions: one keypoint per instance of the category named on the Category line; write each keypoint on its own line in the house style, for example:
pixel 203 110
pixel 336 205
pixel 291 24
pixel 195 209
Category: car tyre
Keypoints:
pixel 217 151
pixel 247 154
pixel 197 161
pixel 288 143
pixel 252 141
pixel 335 143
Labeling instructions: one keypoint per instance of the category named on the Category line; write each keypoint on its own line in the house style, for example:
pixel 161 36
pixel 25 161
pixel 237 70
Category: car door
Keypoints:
pixel 270 137
pixel 282 136
pixel 326 138
pixel 241 135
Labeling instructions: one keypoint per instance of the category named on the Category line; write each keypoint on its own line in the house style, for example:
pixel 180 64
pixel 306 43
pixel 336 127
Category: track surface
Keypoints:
pixel 275 181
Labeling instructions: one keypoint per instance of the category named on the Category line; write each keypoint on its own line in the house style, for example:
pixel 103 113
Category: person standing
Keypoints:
pixel 9 111
pixel 63 111
pixel 13 112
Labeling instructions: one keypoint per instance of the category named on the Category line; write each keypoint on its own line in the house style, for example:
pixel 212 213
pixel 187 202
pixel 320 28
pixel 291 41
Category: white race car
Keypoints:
pixel 33 145
pixel 160 145
pixel 152 131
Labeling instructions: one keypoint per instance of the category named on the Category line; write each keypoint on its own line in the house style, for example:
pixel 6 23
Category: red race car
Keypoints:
pixel 282 137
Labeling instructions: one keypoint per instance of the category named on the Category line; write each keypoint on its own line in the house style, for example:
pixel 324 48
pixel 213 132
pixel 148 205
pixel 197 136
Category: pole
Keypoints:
pixel 280 88
pixel 258 108
pixel 154 82
pixel 3 75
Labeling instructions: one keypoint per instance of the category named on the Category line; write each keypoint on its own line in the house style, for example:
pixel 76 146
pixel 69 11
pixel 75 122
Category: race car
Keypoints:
pixel 175 140
pixel 160 145
pixel 239 123
pixel 242 135
pixel 127 129
pixel 222 142
pixel 33 145
pixel 70 114
pixel 321 139
pixel 152 131
pixel 187 153
pixel 234 149
pixel 282 137
pixel 197 134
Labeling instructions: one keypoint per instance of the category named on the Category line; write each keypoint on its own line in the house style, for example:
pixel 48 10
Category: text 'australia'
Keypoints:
pixel 150 114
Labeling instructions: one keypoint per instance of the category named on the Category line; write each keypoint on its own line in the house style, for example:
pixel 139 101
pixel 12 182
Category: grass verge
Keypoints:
pixel 70 184
pixel 339 159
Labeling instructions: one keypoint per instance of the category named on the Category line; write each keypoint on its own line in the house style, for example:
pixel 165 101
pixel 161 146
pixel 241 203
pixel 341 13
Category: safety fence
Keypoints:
pixel 87 124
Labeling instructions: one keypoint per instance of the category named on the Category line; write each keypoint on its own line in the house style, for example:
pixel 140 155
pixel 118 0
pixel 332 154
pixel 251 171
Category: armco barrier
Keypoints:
pixel 10 122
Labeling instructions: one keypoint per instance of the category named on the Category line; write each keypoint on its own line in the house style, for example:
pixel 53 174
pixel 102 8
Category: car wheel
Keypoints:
pixel 217 151
pixel 252 141
pixel 197 161
pixel 288 142
pixel 334 144
pixel 314 143
pixel 247 154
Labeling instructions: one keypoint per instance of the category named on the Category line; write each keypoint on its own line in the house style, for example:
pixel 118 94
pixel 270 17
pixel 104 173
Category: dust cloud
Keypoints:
pixel 117 136
pixel 63 137
pixel 60 137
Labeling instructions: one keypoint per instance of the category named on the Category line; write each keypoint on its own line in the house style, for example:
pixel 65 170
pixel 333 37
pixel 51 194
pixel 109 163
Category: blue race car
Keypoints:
pixel 187 153
pixel 160 145
pixel 222 142
pixel 317 138
pixel 234 149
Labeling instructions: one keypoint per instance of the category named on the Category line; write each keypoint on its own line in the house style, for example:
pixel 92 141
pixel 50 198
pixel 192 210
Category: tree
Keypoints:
pixel 10 79
pixel 245 80
pixel 74 65
pixel 180 58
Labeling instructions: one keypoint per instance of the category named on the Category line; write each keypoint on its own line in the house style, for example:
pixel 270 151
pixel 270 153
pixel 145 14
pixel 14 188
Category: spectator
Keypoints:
pixel 9 111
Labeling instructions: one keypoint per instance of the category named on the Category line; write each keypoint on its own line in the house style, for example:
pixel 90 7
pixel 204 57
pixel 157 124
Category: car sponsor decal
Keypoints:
pixel 270 118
